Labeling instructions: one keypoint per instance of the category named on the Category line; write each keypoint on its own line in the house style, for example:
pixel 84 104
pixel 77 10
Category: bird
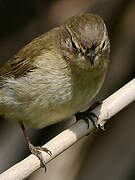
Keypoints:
pixel 56 75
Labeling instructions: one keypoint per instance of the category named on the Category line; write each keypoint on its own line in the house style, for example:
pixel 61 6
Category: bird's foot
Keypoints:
pixel 36 151
pixel 89 116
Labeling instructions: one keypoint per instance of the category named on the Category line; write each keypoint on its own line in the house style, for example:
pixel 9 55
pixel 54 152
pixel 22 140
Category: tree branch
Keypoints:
pixel 67 138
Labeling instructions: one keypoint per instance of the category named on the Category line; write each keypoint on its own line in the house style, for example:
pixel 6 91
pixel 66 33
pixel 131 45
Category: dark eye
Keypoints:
pixel 72 41
pixel 73 45
pixel 103 45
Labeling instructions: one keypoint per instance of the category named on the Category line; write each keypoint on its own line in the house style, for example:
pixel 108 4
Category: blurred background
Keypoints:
pixel 105 155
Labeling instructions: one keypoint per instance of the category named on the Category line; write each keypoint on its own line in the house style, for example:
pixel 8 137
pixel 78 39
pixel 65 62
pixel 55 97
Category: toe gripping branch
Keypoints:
pixel 36 150
pixel 88 115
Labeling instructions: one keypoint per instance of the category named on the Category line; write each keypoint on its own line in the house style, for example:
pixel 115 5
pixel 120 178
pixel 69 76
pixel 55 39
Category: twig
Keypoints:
pixel 67 138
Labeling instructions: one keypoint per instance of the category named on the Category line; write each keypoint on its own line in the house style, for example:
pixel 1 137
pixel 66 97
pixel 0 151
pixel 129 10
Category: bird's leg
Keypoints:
pixel 36 150
pixel 88 115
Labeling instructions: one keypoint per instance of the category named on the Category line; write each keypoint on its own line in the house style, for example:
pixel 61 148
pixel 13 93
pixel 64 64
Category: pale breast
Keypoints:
pixel 46 97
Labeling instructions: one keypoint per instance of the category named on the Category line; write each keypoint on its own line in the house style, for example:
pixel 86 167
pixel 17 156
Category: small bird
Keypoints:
pixel 56 75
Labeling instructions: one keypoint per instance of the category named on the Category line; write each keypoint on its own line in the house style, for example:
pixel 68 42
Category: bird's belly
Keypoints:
pixel 82 94
pixel 64 104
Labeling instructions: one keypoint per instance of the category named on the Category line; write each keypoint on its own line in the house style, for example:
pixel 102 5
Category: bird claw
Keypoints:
pixel 45 150
pixel 88 117
pixel 36 151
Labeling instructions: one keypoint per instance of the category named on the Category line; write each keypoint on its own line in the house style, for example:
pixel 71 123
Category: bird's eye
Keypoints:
pixel 101 49
pixel 72 41
pixel 103 45
pixel 73 45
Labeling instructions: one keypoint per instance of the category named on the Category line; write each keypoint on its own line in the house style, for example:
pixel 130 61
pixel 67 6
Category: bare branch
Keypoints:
pixel 67 138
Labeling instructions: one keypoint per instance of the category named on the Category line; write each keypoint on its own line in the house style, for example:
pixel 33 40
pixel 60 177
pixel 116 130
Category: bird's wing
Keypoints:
pixel 15 67
pixel 22 63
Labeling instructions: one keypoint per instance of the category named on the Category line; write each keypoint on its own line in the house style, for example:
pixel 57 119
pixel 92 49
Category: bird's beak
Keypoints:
pixel 91 57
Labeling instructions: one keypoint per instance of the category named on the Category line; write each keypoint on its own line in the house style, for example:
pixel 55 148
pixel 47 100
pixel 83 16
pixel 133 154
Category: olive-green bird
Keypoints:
pixel 56 75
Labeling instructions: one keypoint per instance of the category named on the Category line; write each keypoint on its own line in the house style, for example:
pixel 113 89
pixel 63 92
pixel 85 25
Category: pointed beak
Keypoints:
pixel 91 57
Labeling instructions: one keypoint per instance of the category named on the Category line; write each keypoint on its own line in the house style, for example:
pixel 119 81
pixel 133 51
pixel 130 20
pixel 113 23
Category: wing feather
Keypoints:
pixel 23 61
